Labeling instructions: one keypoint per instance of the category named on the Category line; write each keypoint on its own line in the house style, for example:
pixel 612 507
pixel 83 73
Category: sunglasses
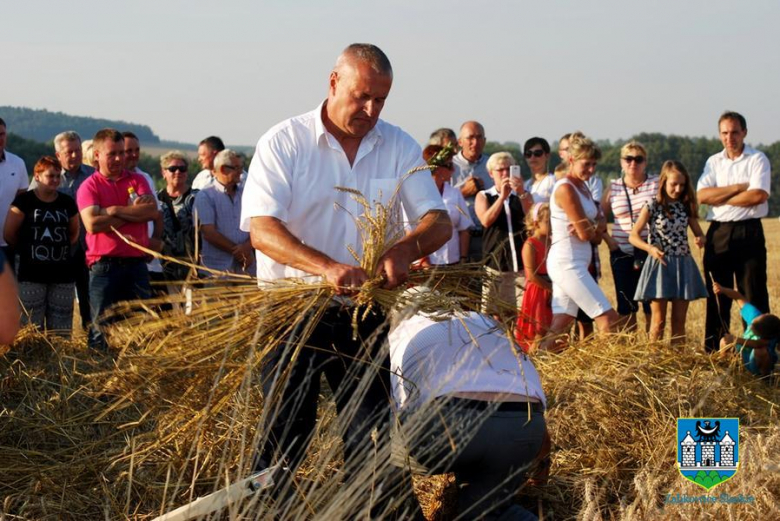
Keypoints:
pixel 176 168
pixel 636 159
pixel 534 153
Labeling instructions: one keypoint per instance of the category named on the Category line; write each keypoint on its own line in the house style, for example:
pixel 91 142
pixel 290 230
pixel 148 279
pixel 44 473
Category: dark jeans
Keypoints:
pixel 733 250
pixel 357 371
pixel 81 273
pixel 626 280
pixel 112 280
pixel 489 447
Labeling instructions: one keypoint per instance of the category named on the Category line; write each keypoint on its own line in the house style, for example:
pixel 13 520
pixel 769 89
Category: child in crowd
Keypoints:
pixel 670 273
pixel 42 225
pixel 536 311
pixel 758 346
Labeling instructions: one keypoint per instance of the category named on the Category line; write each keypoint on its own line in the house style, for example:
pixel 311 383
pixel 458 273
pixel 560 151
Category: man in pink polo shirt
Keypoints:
pixel 114 199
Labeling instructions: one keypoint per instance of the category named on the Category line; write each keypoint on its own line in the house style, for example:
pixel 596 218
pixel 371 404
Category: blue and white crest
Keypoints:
pixel 708 449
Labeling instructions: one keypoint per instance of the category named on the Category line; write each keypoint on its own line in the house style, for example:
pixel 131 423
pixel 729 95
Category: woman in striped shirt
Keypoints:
pixel 625 199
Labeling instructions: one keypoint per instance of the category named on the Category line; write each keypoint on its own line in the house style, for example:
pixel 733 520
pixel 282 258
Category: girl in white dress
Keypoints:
pixel 576 223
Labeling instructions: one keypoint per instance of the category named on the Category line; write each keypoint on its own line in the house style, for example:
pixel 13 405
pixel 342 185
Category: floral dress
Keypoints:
pixel 680 278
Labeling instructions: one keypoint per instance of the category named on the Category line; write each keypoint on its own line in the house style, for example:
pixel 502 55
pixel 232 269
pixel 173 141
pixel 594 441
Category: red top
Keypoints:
pixel 540 251
pixel 98 190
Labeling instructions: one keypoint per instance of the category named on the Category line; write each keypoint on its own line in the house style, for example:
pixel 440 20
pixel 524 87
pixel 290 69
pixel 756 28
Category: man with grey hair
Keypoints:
pixel 67 148
pixel 443 137
pixel 218 211
pixel 302 226
pixel 471 176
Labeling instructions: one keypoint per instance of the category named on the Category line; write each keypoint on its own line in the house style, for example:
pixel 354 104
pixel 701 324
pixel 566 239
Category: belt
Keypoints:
pixel 120 261
pixel 732 224
pixel 482 405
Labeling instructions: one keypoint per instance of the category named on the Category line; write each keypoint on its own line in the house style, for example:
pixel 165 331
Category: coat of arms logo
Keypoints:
pixel 708 449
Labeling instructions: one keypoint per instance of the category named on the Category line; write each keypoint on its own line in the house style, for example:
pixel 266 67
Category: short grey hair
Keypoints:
pixel 440 134
pixel 500 157
pixel 68 135
pixel 225 157
pixel 166 158
pixel 366 53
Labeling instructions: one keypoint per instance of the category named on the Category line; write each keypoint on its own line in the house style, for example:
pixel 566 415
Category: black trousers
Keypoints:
pixel 734 250
pixel 358 372
pixel 330 350
pixel 81 271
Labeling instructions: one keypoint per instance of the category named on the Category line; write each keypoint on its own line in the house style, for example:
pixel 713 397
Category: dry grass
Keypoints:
pixel 176 415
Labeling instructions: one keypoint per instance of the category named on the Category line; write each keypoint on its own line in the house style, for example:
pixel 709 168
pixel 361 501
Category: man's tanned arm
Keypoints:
pixel 271 236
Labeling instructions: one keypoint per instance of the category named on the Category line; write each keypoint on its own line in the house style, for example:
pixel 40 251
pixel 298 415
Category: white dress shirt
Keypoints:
pixel 467 353
pixel 296 169
pixel 13 177
pixel 751 167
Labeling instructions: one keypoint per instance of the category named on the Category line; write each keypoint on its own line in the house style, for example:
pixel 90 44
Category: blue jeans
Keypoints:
pixel 112 280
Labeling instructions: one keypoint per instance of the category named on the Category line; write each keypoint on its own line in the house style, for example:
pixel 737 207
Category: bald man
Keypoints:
pixel 471 176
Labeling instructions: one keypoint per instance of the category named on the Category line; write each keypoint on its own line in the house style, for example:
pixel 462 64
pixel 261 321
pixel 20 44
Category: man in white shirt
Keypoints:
pixel 208 149
pixel 302 226
pixel 736 185
pixel 13 181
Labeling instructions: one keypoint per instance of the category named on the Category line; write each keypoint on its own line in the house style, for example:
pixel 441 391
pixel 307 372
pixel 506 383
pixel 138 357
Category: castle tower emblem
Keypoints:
pixel 704 455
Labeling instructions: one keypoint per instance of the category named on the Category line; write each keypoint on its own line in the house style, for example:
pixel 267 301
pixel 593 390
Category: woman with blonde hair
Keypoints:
pixel 576 223
pixel 625 199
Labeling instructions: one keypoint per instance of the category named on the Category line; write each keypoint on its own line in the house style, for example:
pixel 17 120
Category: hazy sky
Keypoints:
pixel 234 68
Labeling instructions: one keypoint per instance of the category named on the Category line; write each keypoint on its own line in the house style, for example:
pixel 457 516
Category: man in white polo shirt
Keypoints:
pixel 736 185
pixel 302 226
pixel 13 181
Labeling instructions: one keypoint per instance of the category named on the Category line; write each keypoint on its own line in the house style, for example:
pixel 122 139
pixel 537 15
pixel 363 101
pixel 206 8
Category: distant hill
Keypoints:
pixel 42 125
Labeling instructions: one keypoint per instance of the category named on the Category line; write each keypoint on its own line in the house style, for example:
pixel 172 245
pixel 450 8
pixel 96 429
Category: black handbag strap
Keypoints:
pixel 628 200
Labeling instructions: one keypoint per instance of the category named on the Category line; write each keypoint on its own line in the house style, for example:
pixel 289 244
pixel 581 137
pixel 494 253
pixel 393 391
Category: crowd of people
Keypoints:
pixel 537 239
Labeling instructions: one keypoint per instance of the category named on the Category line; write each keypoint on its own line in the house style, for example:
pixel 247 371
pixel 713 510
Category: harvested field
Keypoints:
pixel 175 415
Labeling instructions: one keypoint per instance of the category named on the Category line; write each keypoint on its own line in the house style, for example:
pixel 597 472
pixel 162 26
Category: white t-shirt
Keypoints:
pixel 466 353
pixel 13 177
pixel 154 264
pixel 751 167
pixel 203 179
pixel 459 216
pixel 541 190
pixel 296 169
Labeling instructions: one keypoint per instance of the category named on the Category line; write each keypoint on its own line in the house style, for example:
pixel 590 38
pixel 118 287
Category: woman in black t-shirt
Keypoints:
pixel 42 225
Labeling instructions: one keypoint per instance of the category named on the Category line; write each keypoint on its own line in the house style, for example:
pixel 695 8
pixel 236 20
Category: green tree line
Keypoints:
pixel 691 151
pixel 42 125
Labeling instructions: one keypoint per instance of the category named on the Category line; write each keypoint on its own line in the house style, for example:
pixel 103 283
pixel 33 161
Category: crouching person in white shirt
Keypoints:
pixel 470 403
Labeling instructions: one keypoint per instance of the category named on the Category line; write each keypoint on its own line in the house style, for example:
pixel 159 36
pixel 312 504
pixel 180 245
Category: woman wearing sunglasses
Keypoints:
pixel 537 154
pixel 625 199
pixel 177 202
